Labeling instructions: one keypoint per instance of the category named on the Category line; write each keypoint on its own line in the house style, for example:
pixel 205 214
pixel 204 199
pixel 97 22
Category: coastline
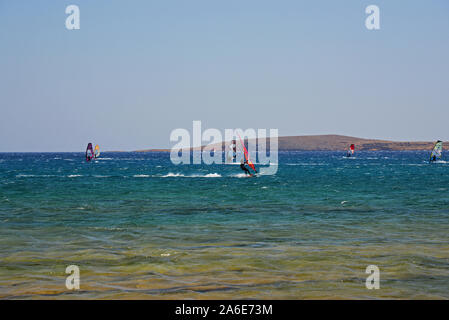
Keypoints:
pixel 330 143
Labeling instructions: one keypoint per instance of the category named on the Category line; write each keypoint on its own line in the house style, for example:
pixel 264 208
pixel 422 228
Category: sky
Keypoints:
pixel 136 70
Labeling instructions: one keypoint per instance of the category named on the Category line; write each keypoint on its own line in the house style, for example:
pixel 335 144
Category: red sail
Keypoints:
pixel 247 155
pixel 89 152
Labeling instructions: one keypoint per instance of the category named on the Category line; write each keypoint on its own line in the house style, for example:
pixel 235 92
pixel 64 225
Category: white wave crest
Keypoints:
pixel 212 175
pixel 170 175
pixel 175 175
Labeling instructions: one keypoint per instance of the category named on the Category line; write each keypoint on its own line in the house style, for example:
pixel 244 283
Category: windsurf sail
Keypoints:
pixel 97 151
pixel 232 154
pixel 245 152
pixel 436 151
pixel 89 152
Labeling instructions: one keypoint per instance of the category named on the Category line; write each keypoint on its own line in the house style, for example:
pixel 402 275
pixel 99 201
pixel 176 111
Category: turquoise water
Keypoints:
pixel 140 227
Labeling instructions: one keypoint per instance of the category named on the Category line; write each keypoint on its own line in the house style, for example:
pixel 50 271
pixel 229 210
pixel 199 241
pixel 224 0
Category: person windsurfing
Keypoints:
pixel 232 154
pixel 97 151
pixel 350 152
pixel 244 168
pixel 246 160
pixel 89 152
pixel 234 149
pixel 436 151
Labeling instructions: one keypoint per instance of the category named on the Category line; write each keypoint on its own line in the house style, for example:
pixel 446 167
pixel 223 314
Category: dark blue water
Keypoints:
pixel 140 227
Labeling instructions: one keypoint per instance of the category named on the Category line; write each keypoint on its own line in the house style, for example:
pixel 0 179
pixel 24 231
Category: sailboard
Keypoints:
pixel 436 151
pixel 89 152
pixel 245 152
pixel 97 151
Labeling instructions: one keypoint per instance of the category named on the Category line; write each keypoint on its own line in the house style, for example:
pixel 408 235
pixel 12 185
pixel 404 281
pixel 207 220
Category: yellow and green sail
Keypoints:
pixel 437 151
pixel 97 151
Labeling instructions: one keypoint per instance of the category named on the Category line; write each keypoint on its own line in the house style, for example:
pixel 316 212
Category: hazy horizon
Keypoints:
pixel 136 71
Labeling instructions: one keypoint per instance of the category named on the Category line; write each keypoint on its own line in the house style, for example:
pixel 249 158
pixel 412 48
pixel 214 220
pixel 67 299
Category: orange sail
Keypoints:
pixel 247 155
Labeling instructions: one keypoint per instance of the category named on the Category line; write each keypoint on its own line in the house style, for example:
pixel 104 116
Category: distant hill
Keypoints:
pixel 337 143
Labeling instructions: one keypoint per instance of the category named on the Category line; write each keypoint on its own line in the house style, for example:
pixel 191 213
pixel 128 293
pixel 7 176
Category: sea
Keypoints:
pixel 136 226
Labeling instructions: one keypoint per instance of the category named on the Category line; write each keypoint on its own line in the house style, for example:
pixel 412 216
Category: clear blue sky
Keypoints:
pixel 138 69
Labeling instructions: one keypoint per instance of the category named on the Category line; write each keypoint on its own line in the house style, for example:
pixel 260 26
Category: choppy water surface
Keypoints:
pixel 140 227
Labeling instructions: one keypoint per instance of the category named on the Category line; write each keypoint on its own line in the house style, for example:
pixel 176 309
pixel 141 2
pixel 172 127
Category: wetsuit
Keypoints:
pixel 242 166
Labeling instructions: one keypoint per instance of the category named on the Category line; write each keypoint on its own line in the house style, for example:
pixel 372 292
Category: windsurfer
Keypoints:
pixel 89 152
pixel 350 152
pixel 244 168
pixel 234 149
pixel 436 152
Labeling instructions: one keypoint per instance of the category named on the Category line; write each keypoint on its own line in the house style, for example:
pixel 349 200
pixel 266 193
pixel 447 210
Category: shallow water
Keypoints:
pixel 140 227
